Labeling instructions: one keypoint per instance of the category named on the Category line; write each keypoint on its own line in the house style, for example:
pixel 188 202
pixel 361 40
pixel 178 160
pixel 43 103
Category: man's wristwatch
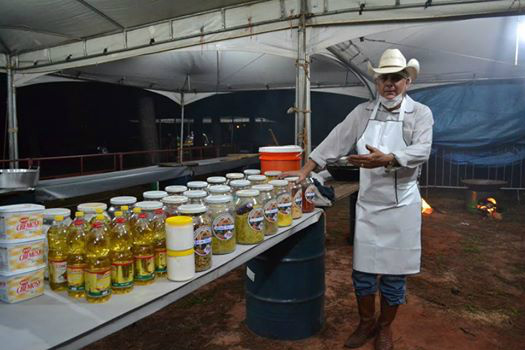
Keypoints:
pixel 392 164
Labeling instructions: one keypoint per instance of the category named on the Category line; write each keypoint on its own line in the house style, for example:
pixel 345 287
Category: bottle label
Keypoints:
pixel 309 193
pixel 284 203
pixel 75 278
pixel 270 210
pixel 298 199
pixel 57 271
pixel 98 283
pixel 144 267
pixel 122 274
pixel 256 219
pixel 161 264
pixel 223 227
pixel 202 244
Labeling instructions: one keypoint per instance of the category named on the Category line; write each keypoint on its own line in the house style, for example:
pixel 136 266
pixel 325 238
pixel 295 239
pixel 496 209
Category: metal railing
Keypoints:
pixel 87 164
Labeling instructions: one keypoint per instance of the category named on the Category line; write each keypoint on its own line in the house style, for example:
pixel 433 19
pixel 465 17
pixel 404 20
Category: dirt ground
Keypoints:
pixel 470 293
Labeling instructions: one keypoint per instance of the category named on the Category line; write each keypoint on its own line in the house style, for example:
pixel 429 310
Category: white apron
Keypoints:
pixel 388 210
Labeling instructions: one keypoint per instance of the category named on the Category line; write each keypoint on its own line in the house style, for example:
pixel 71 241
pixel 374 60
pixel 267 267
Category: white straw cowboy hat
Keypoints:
pixel 393 61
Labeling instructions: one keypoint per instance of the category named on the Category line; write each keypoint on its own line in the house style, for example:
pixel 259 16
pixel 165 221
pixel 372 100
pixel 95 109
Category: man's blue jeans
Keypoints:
pixel 392 287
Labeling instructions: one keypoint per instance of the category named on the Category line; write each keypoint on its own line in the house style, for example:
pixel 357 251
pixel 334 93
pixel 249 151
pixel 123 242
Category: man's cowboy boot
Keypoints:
pixel 384 333
pixel 365 330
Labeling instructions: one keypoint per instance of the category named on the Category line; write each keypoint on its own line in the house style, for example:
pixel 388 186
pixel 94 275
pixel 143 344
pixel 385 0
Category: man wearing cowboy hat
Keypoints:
pixel 392 137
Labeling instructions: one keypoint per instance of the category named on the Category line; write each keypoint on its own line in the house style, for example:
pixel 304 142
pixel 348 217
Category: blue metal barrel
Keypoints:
pixel 285 287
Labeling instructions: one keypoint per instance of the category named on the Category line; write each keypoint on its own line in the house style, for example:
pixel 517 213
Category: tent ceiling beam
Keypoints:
pixel 40 31
pixel 101 14
pixel 247 20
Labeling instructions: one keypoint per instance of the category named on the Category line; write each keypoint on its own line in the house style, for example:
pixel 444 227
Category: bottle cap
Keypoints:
pixel 179 221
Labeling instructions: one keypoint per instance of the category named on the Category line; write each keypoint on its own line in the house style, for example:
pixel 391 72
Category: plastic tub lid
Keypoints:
pixel 21 207
pixel 176 189
pixel 216 199
pixel 149 205
pixel 174 199
pixel 219 189
pixel 292 178
pixel 281 149
pixel 248 193
pixel 91 207
pixel 123 200
pixel 6 242
pixel 21 271
pixel 235 176
pixel 192 209
pixel 197 184
pixel 216 179
pixel 154 194
pixel 240 183
pixel 195 194
pixel 256 177
pixel 279 182
pixel 273 173
pixel 179 221
pixel 264 188
pixel 52 212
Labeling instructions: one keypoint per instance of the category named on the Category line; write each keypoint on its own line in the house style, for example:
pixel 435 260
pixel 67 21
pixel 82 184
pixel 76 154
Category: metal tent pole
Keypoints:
pixel 181 125
pixel 12 125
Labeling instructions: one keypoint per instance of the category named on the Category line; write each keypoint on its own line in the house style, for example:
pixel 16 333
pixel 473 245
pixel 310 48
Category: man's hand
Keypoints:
pixel 374 159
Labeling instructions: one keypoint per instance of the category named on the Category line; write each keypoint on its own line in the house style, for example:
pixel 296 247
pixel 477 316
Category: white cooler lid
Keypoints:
pixel 281 149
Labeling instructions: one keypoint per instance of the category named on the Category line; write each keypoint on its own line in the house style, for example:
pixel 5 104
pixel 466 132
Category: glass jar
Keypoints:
pixel 257 179
pixel 172 203
pixel 197 185
pixel 237 185
pixel 308 195
pixel 284 202
pixel 233 176
pixel 269 204
pixel 149 207
pixel 219 189
pixel 297 196
pixel 272 174
pixel 216 180
pixel 175 190
pixel 154 195
pixel 196 196
pixel 249 217
pixel 201 233
pixel 90 210
pixel 117 202
pixel 221 215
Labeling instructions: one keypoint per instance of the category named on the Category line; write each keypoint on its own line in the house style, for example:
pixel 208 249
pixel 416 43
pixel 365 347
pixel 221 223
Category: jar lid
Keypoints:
pixel 13 208
pixel 292 178
pixel 219 189
pixel 192 209
pixel 216 179
pixel 263 188
pixel 179 221
pixel 174 199
pixel 273 173
pixel 195 194
pixel 240 183
pixel 216 199
pixel 252 172
pixel 256 177
pixel 233 176
pixel 50 213
pixel 149 205
pixel 279 183
pixel 91 207
pixel 197 184
pixel 123 200
pixel 175 189
pixel 154 194
pixel 247 193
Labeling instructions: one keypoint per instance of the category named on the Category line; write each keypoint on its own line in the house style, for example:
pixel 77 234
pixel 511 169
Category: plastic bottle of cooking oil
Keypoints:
pixel 133 218
pixel 57 256
pixel 121 255
pixel 105 219
pixel 143 250
pixel 159 236
pixel 76 257
pixel 126 213
pixel 98 263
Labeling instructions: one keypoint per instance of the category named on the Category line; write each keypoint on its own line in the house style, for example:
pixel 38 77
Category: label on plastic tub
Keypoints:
pixel 20 226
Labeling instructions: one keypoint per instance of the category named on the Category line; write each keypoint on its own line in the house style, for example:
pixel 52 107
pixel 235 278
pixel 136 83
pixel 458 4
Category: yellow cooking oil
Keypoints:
pixel 57 254
pixel 143 250
pixel 126 213
pixel 98 263
pixel 105 219
pixel 121 255
pixel 159 237
pixel 133 218
pixel 76 257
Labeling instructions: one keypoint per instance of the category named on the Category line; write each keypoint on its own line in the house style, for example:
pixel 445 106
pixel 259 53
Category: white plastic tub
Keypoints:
pixel 23 285
pixel 21 221
pixel 19 255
